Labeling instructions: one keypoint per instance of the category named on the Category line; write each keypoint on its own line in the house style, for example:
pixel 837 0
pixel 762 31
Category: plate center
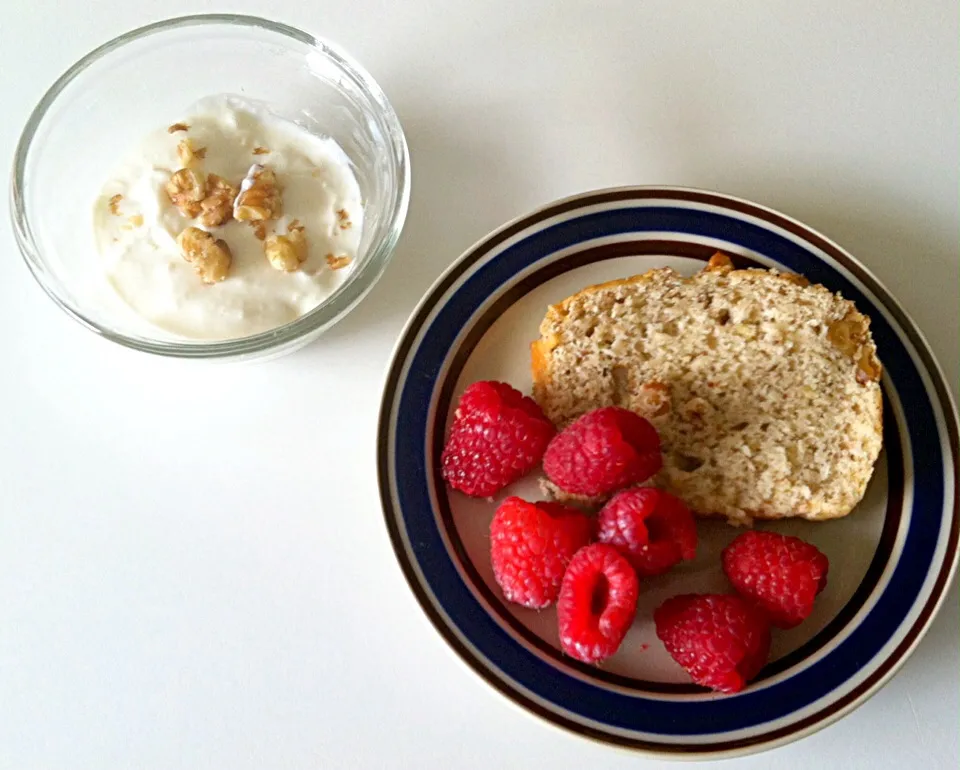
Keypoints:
pixel 849 543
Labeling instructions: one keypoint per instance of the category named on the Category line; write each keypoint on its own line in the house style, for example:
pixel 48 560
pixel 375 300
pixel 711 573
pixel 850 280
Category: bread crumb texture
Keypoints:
pixel 765 390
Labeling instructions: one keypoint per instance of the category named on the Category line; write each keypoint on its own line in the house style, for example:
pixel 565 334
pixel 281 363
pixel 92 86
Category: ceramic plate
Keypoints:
pixel 890 560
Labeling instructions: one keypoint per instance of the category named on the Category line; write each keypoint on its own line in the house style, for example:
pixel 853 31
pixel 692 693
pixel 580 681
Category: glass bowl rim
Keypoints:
pixel 357 285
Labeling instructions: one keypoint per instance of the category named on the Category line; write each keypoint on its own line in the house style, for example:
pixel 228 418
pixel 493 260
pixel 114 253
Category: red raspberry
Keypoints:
pixel 720 640
pixel 497 437
pixel 530 547
pixel 782 575
pixel 602 451
pixel 652 528
pixel 598 600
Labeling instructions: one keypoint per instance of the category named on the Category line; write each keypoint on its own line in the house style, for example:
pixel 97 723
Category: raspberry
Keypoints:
pixel 781 575
pixel 720 640
pixel 530 547
pixel 652 528
pixel 598 599
pixel 602 451
pixel 498 436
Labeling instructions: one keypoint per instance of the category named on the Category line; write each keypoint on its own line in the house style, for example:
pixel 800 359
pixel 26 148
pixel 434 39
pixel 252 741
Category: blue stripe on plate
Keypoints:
pixel 641 712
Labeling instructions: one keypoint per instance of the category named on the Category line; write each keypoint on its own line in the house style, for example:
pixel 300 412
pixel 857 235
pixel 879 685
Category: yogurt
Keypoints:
pixel 136 224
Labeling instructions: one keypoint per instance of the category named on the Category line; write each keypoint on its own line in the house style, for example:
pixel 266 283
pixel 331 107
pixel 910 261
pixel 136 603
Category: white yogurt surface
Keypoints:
pixel 144 264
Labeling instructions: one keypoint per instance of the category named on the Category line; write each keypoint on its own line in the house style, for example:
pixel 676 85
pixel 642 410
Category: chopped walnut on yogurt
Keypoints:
pixel 228 221
pixel 209 256
pixel 287 252
pixel 259 197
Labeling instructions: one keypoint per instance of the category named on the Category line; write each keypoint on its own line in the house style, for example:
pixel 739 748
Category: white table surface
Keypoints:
pixel 194 572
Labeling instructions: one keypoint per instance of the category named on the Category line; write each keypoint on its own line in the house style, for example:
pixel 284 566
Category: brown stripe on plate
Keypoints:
pixel 639 686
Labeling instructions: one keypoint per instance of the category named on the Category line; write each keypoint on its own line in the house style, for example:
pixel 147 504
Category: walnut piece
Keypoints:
pixel 652 400
pixel 133 222
pixel 868 367
pixel 177 127
pixel 720 262
pixel 286 252
pixel 209 256
pixel 217 208
pixel 187 189
pixel 849 335
pixel 188 154
pixel 343 220
pixel 259 197
pixel 114 204
pixel 335 263
pixel 695 410
pixel 261 151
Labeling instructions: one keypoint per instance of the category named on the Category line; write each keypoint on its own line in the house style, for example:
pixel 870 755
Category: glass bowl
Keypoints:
pixel 103 104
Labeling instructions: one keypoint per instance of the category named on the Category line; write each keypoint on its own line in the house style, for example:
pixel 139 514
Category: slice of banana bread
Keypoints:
pixel 765 389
